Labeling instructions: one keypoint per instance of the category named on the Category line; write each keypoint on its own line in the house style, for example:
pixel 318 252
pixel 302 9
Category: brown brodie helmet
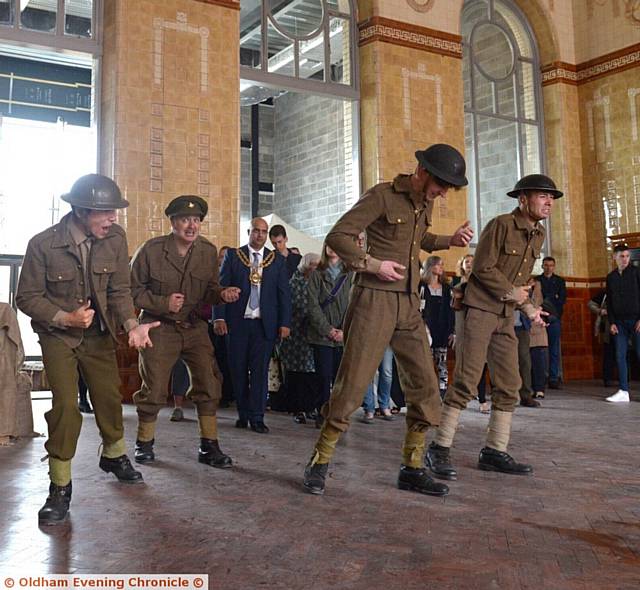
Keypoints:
pixel 444 162
pixel 94 191
pixel 535 182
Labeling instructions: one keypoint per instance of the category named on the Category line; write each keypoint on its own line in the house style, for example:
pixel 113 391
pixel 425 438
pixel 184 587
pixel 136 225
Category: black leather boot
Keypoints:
pixel 121 467
pixel 56 507
pixel 210 454
pixel 438 460
pixel 492 460
pixel 314 476
pixel 143 452
pixel 417 480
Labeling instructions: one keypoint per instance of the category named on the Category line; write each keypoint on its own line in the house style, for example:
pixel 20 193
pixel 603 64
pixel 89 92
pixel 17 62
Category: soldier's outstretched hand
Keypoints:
pixel 139 336
pixel 462 236
pixel 390 271
pixel 538 318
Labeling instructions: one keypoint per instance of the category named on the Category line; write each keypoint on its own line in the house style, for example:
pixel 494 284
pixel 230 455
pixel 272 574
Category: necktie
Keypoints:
pixel 254 297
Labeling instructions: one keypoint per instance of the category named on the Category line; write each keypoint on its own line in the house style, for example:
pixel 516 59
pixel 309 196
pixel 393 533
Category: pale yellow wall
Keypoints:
pixel 570 237
pixel 444 15
pixel 170 111
pixel 411 99
pixel 604 27
pixel 610 129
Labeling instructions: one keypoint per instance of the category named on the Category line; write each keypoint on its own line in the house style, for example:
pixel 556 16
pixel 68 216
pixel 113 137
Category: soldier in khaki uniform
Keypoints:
pixel 384 308
pixel 507 250
pixel 75 286
pixel 171 277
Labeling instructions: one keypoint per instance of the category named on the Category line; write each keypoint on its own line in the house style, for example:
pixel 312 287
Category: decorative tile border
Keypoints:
pixel 235 4
pixel 386 30
pixel 612 63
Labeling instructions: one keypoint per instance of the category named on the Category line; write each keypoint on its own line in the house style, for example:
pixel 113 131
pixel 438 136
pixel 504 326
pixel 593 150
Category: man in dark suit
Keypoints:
pixel 262 314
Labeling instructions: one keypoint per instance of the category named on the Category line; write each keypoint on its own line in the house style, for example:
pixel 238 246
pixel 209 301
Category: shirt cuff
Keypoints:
pixel 372 265
pixel 442 243
pixel 58 319
pixel 130 324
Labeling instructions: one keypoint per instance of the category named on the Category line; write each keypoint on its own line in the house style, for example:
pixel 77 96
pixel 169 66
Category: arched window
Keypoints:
pixel 502 104
pixel 304 44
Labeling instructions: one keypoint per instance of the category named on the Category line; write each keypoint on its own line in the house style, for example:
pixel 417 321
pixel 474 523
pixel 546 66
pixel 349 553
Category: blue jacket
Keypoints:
pixel 275 294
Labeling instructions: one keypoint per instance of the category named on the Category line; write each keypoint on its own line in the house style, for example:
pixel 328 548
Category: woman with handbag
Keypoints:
pixel 327 300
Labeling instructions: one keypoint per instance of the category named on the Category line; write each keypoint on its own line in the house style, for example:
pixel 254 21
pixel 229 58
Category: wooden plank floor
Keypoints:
pixel 574 525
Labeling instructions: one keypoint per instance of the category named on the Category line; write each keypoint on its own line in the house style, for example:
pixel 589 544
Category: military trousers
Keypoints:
pixel 376 319
pixel 170 342
pixel 489 338
pixel 95 358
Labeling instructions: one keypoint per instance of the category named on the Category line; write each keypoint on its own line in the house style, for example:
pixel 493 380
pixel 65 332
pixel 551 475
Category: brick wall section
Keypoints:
pixel 309 167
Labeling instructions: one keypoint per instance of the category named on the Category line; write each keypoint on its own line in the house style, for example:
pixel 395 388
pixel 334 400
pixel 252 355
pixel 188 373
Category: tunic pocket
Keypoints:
pixel 60 282
pixel 396 222
pixel 102 272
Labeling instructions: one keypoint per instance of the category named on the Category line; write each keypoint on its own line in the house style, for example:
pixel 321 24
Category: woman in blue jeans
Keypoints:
pixel 385 376
pixel 327 300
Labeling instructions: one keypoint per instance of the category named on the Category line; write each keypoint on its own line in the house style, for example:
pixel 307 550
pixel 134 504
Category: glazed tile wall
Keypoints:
pixel 610 128
pixel 570 238
pixel 604 26
pixel 411 99
pixel 170 70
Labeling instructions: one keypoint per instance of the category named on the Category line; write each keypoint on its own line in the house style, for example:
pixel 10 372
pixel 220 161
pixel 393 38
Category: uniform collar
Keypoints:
pixel 402 184
pixel 76 232
pixel 522 222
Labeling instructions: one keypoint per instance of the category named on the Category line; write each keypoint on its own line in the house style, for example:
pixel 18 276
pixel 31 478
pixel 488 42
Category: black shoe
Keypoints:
pixel 85 408
pixel 314 476
pixel 121 467
pixel 241 423
pixel 259 427
pixel 56 507
pixel 492 460
pixel 417 480
pixel 529 402
pixel 300 418
pixel 438 460
pixel 143 452
pixel 554 385
pixel 319 420
pixel 210 454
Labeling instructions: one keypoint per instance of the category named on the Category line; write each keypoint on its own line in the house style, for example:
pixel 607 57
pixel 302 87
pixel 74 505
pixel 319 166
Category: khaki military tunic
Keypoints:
pixel 54 280
pixel 157 271
pixel 396 220
pixel 507 250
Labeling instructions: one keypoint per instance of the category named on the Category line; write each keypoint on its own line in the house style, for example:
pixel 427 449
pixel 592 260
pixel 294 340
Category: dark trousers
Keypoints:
pixel 524 362
pixel 82 390
pixel 180 381
pixel 626 331
pixel 250 351
pixel 327 361
pixel 482 386
pixel 538 368
pixel 302 391
pixel 608 361
pixel 553 333
pixel 221 346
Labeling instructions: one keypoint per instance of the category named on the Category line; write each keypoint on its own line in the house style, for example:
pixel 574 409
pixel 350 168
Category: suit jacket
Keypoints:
pixel 275 294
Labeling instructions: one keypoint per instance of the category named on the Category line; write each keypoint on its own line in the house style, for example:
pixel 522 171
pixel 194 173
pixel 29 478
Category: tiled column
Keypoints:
pixel 411 91
pixel 569 236
pixel 170 111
